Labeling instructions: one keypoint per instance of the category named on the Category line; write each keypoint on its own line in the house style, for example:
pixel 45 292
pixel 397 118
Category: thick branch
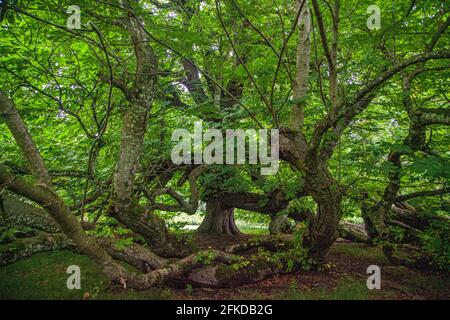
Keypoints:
pixel 193 83
pixel 302 72
pixel 182 206
pixel 386 75
pixel 24 140
pixel 55 206
pixel 418 194
pixel 346 112
pixel 23 248
pixel 179 268
pixel 265 204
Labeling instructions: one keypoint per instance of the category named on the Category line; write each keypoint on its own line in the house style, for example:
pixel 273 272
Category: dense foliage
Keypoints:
pixel 363 116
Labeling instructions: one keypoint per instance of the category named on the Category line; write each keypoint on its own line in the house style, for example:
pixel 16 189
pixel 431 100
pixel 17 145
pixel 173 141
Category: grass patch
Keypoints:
pixel 364 252
pixel 43 276
pixel 254 231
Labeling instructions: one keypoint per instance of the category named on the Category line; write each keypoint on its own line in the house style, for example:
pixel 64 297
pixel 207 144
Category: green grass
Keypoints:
pixel 373 254
pixel 254 231
pixel 44 276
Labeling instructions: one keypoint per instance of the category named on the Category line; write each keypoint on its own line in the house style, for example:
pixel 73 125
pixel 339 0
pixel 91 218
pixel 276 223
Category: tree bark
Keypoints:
pixel 27 146
pixel 124 206
pixel 69 224
pixel 323 226
pixel 17 213
pixel 219 219
pixel 300 85
pixel 225 276
pixel 23 248
pixel 280 225
pixel 411 216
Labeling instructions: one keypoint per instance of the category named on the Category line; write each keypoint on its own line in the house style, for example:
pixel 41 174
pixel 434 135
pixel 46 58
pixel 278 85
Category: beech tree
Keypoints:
pixel 87 115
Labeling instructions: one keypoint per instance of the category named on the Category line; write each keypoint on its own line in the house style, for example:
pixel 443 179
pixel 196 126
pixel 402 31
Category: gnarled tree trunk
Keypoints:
pixel 124 205
pixel 219 219
pixel 323 226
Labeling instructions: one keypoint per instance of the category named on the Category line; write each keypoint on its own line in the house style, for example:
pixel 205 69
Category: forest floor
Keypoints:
pixel 43 276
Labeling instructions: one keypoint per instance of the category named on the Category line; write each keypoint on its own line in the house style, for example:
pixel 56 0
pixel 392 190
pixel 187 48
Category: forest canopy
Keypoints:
pixel 348 100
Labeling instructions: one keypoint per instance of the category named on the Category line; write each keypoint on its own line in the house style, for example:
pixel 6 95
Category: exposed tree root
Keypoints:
pixel 211 268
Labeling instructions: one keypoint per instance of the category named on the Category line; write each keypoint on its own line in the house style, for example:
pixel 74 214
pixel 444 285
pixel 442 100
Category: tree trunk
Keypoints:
pixel 218 219
pixel 124 205
pixel 323 227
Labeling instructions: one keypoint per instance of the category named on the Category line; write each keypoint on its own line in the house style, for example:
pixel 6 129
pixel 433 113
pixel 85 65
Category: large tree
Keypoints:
pixel 90 113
